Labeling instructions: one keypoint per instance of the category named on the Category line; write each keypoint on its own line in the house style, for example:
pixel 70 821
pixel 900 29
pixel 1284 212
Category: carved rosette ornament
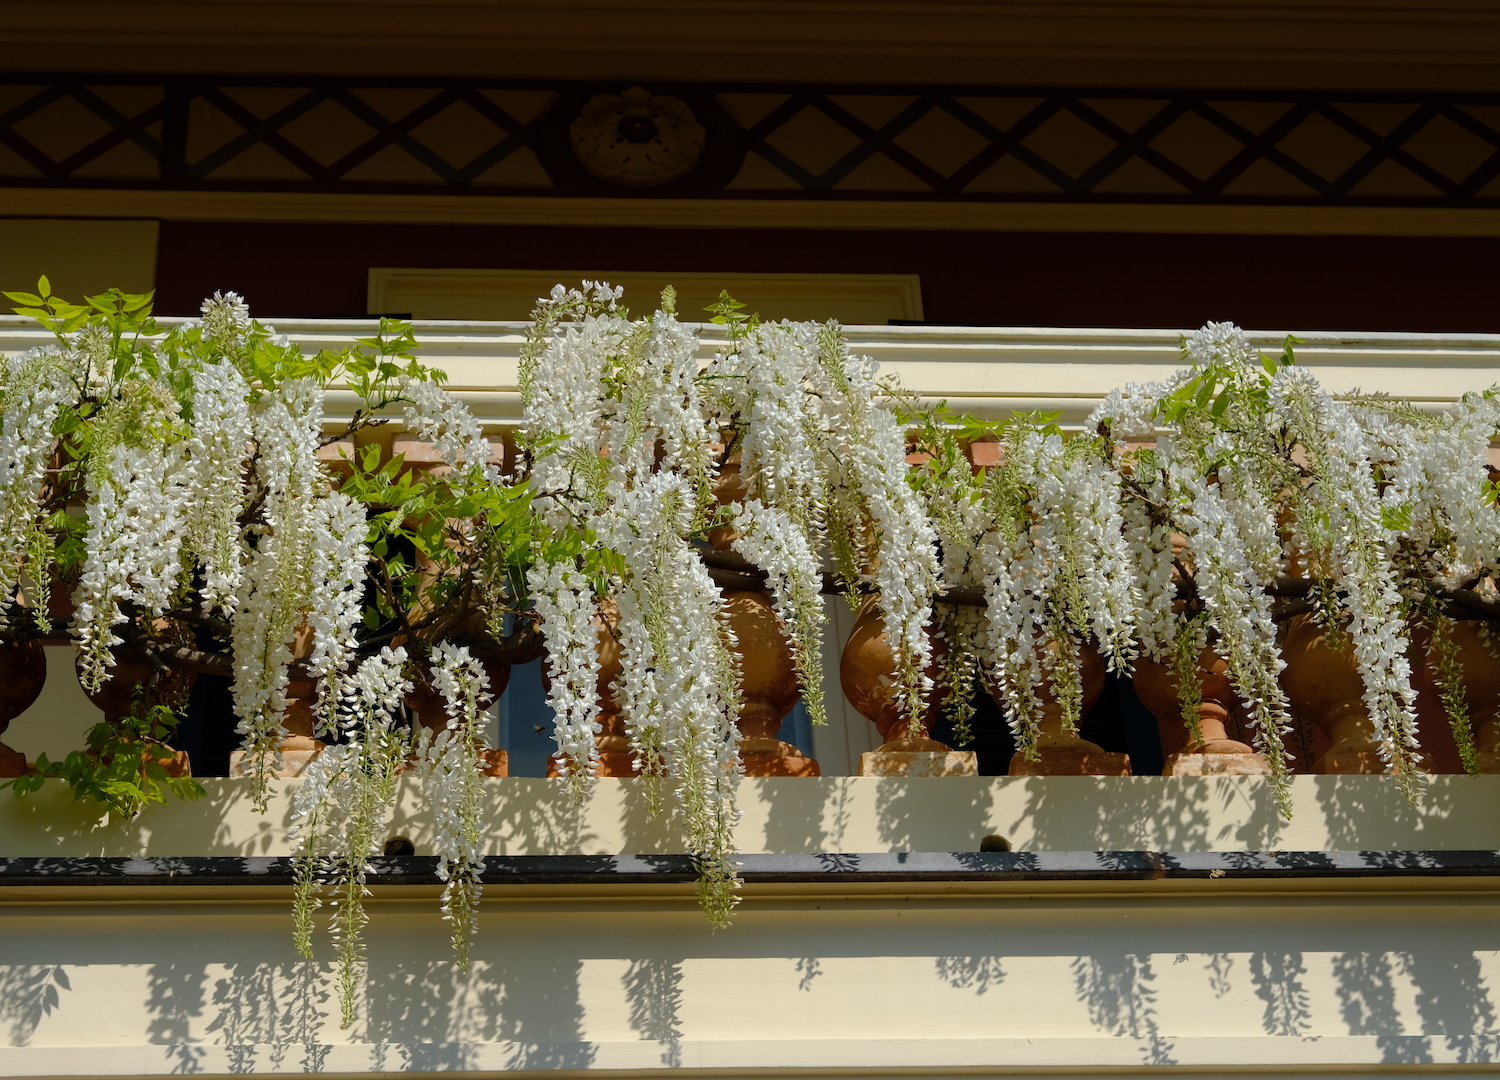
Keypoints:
pixel 637 138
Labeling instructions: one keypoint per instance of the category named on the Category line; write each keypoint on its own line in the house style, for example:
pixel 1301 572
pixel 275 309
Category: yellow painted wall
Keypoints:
pixel 1000 980
pixel 80 257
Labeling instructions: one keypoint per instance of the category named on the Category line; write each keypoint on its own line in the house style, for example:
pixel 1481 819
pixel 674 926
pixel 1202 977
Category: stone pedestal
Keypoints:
pixel 1084 759
pixel 1059 751
pixel 919 763
pixel 1186 764
pixel 297 753
pixel 1215 751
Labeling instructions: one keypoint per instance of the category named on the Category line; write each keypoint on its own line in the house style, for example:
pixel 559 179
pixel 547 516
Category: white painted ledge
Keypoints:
pixel 988 371
pixel 528 816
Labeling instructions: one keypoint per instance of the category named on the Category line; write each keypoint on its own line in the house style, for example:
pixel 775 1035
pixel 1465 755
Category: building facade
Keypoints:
pixel 1014 206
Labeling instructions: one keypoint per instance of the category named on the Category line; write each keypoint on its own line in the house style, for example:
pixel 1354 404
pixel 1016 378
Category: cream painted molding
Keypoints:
pixel 512 294
pixel 988 371
pixel 254 206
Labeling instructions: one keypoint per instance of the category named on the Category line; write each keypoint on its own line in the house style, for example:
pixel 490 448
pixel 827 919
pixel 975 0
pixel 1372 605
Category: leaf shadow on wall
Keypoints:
pixel 29 992
pixel 280 1006
pixel 518 991
pixel 1120 996
pixel 1355 807
pixel 653 991
pixel 805 816
pixel 175 1001
pixel 1177 813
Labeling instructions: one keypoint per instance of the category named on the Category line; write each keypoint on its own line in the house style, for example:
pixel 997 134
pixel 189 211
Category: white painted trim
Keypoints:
pixel 988 371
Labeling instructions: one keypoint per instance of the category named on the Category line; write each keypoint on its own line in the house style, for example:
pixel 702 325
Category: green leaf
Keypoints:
pixel 26 298
pixel 44 286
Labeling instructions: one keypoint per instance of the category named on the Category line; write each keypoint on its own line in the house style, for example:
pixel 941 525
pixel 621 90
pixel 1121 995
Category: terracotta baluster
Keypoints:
pixel 1216 752
pixel 1326 693
pixel 768 688
pixel 24 666
pixel 867 671
pixel 1059 751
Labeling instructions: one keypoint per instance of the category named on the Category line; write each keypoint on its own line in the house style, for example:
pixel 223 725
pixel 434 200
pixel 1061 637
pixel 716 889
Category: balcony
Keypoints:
pixel 1126 922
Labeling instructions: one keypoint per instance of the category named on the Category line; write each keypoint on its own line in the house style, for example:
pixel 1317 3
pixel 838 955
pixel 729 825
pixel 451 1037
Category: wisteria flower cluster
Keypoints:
pixel 187 488
pixel 228 528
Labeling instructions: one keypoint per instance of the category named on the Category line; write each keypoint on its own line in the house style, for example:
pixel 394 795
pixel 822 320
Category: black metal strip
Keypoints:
pixel 826 868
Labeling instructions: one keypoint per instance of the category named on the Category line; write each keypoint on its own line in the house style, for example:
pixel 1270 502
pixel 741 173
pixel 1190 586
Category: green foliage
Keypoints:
pixel 728 313
pixel 121 765
pixel 1448 673
pixel 440 540
pixel 1215 388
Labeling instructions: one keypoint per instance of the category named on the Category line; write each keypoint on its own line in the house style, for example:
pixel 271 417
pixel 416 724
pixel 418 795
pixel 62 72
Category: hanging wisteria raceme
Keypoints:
pixel 1433 491
pixel 771 540
pixel 437 416
pixel 1238 611
pixel 1345 492
pixel 37 383
pixel 225 324
pixel 764 407
pixel 276 589
pixel 339 813
pixel 452 782
pixel 763 385
pixel 869 494
pixel 137 517
pixel 679 684
pixel 219 443
pixel 1014 621
pixel 564 598
pixel 337 579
